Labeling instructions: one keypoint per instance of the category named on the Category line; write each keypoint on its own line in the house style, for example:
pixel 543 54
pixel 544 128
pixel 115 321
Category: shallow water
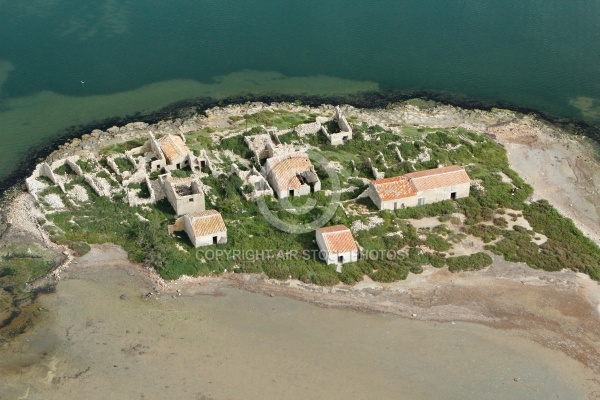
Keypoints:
pixel 236 345
pixel 540 54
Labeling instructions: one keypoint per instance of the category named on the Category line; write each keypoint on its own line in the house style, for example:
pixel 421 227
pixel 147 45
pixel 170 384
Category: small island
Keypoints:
pixel 410 195
pixel 413 210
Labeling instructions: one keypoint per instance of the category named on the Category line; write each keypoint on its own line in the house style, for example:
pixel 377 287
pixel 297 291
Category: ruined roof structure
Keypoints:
pixel 291 170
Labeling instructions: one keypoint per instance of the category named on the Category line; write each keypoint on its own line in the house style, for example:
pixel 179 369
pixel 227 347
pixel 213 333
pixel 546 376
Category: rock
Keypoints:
pixel 124 297
pixel 308 129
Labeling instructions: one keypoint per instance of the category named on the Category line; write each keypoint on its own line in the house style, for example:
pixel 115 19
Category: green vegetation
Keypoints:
pixel 123 164
pixel 87 166
pixel 473 262
pixel 21 263
pixel 201 140
pixel 278 118
pixel 121 148
pixel 401 248
pixel 237 145
pixel 181 173
pixel 64 170
pixel 566 247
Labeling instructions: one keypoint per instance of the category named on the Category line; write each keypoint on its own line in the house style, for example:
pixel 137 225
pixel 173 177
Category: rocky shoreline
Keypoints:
pixel 190 110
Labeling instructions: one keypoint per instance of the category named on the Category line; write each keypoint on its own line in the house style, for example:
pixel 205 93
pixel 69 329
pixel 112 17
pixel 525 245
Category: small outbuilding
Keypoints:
pixel 205 228
pixel 184 194
pixel 337 245
pixel 343 134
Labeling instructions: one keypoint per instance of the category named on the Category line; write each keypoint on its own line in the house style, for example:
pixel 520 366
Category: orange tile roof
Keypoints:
pixel 206 223
pixel 438 177
pixel 285 169
pixel 172 146
pixel 338 239
pixel 393 188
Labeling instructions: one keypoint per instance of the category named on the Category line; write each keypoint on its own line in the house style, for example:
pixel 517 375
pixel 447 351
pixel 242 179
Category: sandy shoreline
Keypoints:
pixel 102 336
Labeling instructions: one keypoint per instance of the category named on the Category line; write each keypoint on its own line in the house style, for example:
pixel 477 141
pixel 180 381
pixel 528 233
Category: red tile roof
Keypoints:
pixel 438 177
pixel 393 188
pixel 206 223
pixel 285 169
pixel 338 239
pixel 172 146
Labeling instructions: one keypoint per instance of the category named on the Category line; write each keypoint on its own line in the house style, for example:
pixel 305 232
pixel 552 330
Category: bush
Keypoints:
pixel 123 164
pixel 487 233
pixel 500 222
pixel 566 246
pixel 181 173
pixel 351 273
pixel 473 262
pixel 437 243
pixel 442 208
pixel 64 169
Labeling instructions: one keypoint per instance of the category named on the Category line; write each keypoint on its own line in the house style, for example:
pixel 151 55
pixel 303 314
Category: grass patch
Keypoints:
pixel 64 170
pixel 181 173
pixel 278 118
pixel 121 148
pixel 21 263
pixel 123 164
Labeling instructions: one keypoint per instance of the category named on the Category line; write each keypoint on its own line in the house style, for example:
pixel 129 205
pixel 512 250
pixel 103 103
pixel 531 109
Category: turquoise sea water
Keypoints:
pixel 141 55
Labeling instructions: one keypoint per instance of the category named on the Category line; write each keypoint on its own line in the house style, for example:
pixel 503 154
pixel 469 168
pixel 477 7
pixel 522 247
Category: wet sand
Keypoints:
pixel 101 337
pixel 505 332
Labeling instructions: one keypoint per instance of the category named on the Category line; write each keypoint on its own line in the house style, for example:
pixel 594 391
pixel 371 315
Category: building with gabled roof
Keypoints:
pixel 171 152
pixel 392 193
pixel 291 174
pixel 174 148
pixel 421 187
pixel 337 245
pixel 205 228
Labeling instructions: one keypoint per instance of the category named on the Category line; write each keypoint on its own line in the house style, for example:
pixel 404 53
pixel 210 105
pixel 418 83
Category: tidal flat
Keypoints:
pixel 100 336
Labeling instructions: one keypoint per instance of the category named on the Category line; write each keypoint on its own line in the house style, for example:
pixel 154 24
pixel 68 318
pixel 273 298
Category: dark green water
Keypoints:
pixel 539 54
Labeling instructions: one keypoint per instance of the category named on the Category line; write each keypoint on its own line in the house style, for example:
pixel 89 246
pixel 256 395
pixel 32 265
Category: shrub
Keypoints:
pixel 566 246
pixel 123 164
pixel 64 170
pixel 437 243
pixel 487 233
pixel 500 222
pixel 351 273
pixel 473 262
pixel 181 173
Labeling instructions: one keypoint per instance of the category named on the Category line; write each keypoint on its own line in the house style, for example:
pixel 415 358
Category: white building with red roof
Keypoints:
pixel 421 187
pixel 337 245
pixel 205 228
pixel 291 174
